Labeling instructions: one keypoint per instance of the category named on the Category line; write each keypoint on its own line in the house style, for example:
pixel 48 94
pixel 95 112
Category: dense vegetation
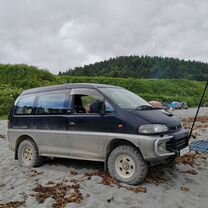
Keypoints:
pixel 15 78
pixel 144 67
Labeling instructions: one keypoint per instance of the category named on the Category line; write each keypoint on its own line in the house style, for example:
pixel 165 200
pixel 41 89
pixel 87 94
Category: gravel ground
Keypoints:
pixel 182 185
pixel 191 112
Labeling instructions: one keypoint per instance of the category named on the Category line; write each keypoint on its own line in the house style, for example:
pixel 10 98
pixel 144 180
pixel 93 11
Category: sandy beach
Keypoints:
pixel 73 183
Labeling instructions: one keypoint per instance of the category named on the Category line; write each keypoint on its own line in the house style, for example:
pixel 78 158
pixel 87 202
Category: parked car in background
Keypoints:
pixel 94 122
pixel 178 105
pixel 181 105
pixel 184 105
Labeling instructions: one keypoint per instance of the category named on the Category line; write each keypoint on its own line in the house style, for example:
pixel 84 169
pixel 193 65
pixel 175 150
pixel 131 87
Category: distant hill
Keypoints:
pixel 16 78
pixel 144 67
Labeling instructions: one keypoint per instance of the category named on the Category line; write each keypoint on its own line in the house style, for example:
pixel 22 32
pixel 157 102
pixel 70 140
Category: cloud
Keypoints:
pixel 59 35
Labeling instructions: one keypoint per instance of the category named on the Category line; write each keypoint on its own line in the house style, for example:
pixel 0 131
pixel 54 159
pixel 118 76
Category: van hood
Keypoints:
pixel 156 117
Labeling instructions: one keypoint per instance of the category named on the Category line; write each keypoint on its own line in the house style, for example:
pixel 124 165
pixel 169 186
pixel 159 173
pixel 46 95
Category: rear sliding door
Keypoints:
pixel 50 122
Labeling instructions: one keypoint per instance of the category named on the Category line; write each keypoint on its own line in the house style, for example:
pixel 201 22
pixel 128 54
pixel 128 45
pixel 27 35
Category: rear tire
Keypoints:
pixel 127 165
pixel 28 154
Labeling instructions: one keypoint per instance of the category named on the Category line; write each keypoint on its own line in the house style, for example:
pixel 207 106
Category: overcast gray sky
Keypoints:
pixel 62 34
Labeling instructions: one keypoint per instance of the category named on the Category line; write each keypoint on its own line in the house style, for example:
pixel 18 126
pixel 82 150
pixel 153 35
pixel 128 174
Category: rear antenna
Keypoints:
pixel 198 110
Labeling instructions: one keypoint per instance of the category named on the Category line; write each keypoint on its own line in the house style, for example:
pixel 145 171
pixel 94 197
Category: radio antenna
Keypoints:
pixel 203 94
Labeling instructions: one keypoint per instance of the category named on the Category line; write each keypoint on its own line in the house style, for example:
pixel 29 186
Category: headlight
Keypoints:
pixel 152 128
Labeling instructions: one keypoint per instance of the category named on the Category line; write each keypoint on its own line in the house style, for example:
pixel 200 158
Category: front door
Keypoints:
pixel 88 129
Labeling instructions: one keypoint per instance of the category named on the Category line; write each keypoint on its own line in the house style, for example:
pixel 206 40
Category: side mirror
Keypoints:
pixel 98 107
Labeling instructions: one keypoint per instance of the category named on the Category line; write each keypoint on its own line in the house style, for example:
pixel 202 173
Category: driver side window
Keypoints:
pixel 88 101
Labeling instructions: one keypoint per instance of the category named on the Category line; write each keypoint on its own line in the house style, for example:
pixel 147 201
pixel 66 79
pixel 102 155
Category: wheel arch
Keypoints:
pixel 21 139
pixel 115 143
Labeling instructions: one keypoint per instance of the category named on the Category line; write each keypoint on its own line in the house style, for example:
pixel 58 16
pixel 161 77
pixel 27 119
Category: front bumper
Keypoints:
pixel 170 145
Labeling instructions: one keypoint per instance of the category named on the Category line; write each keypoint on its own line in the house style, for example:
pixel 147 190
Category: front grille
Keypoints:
pixel 178 144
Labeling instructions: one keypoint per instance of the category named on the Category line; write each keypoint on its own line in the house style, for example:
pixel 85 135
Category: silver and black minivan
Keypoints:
pixel 94 122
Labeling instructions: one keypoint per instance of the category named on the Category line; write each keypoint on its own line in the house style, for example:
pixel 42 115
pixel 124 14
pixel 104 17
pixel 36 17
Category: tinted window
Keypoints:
pixel 24 105
pixel 53 103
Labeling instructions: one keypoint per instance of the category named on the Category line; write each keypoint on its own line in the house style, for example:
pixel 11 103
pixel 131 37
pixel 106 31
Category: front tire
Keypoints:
pixel 28 154
pixel 126 165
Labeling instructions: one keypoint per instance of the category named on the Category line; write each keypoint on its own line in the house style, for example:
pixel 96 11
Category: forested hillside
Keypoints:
pixel 15 78
pixel 144 67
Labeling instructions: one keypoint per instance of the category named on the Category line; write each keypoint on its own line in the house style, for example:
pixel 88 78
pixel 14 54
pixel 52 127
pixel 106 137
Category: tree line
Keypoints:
pixel 144 67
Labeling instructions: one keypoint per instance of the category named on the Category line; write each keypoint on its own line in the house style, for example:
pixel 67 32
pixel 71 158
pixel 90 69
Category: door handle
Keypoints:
pixel 71 123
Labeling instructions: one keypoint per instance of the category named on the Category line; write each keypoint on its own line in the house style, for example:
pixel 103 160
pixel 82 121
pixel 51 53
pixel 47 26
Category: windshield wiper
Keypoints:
pixel 145 107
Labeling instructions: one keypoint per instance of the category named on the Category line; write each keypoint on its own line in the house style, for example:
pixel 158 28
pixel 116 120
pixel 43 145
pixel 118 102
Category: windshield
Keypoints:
pixel 124 98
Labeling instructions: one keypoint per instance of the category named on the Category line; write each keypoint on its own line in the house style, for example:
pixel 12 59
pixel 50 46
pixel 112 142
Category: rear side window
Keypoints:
pixel 24 105
pixel 51 104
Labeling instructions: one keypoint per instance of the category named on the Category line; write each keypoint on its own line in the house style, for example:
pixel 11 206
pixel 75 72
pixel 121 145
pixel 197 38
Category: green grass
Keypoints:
pixel 162 90
pixel 3 117
pixel 16 78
